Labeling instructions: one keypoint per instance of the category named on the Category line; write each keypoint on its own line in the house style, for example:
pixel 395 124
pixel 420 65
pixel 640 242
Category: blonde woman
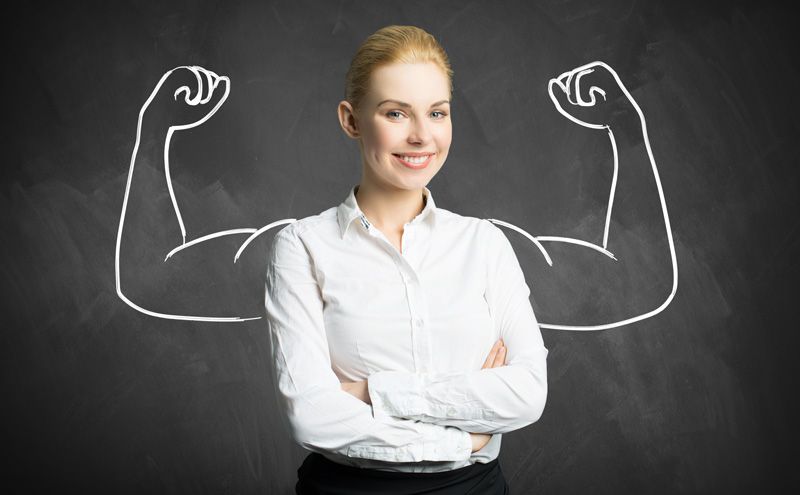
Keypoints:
pixel 403 340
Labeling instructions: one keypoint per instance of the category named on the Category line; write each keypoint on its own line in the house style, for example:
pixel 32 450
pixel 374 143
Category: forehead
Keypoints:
pixel 418 83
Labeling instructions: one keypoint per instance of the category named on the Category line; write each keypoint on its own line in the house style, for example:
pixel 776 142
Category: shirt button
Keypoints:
pixel 400 454
pixel 411 281
pixel 451 412
pixel 387 407
pixel 418 322
pixel 423 369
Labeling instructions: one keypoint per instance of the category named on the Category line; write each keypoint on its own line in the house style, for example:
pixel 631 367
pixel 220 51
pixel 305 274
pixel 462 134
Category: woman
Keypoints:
pixel 382 310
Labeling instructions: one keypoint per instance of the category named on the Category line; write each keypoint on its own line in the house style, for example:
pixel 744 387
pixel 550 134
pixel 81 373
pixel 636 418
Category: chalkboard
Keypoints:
pixel 698 397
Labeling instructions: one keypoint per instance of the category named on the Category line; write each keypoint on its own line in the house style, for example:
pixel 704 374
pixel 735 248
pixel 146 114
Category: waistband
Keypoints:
pixel 321 476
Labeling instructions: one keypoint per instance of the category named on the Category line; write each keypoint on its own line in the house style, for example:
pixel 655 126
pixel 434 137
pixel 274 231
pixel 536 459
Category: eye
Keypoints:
pixel 394 115
pixel 438 114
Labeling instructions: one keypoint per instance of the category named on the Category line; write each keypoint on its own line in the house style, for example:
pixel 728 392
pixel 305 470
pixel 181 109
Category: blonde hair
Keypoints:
pixel 392 44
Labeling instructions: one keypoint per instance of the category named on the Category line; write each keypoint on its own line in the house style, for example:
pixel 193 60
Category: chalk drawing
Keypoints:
pixel 569 83
pixel 207 83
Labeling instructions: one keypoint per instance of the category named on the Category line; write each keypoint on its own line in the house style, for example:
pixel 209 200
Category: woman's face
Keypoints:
pixel 404 126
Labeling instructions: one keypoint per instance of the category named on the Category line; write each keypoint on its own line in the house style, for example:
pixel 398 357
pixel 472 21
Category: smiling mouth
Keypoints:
pixel 414 161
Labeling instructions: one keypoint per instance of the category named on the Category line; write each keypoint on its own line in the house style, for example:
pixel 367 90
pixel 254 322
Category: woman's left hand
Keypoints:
pixel 358 390
pixel 496 357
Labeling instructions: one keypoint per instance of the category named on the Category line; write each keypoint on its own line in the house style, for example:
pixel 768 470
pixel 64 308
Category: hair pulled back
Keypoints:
pixel 389 45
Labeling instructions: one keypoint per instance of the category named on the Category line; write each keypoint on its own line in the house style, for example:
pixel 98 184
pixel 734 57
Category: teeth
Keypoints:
pixel 414 159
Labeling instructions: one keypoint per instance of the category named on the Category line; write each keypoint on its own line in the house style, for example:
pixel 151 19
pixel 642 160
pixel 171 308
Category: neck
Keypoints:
pixel 389 210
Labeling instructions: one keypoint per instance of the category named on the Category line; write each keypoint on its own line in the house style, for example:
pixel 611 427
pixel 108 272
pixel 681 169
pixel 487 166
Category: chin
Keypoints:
pixel 416 180
pixel 413 185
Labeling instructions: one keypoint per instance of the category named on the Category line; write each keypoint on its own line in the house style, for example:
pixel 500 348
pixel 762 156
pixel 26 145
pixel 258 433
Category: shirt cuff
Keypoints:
pixel 395 393
pixel 453 445
pixel 438 444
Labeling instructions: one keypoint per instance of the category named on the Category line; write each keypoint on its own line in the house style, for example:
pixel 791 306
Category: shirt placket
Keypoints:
pixel 418 311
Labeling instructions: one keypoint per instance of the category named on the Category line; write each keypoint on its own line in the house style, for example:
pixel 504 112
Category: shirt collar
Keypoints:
pixel 349 210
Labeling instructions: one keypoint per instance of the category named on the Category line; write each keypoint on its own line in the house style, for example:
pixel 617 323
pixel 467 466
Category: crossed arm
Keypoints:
pixel 495 359
pixel 402 415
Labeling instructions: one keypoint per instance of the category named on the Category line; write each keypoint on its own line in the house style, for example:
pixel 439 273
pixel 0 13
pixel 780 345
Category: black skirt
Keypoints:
pixel 320 476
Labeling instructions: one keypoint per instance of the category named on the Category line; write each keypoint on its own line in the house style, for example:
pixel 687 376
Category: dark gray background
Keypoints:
pixel 100 398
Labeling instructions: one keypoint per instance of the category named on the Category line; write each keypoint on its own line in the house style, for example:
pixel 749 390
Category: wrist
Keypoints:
pixel 627 127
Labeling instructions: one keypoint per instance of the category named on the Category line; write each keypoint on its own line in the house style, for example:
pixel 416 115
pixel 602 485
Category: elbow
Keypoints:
pixel 314 427
pixel 314 435
pixel 534 401
pixel 308 442
pixel 299 433
pixel 534 407
pixel 525 413
pixel 305 433
pixel 299 429
pixel 307 437
pixel 527 395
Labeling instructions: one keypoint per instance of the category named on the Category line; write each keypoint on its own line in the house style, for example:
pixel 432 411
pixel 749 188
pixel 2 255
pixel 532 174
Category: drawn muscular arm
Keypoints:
pixel 587 277
pixel 626 270
pixel 152 230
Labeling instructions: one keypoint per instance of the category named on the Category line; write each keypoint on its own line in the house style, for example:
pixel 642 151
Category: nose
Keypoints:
pixel 419 133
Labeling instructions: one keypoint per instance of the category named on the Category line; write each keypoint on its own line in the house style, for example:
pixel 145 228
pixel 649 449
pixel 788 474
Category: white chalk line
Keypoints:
pixel 208 237
pixel 259 232
pixel 579 242
pixel 565 81
pixel 200 97
pixel 528 236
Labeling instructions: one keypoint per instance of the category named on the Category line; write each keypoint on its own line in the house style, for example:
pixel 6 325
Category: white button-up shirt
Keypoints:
pixel 344 305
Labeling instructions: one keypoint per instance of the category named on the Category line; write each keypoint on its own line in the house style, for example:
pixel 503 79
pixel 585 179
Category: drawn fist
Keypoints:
pixel 187 96
pixel 591 95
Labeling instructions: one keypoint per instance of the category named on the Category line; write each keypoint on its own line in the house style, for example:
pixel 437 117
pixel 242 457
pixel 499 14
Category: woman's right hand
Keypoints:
pixel 495 359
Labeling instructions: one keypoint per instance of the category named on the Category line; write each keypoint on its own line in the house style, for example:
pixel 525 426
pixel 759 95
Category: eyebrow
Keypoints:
pixel 406 105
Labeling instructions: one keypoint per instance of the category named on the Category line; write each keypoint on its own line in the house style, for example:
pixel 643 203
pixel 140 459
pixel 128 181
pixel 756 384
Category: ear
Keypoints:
pixel 347 118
